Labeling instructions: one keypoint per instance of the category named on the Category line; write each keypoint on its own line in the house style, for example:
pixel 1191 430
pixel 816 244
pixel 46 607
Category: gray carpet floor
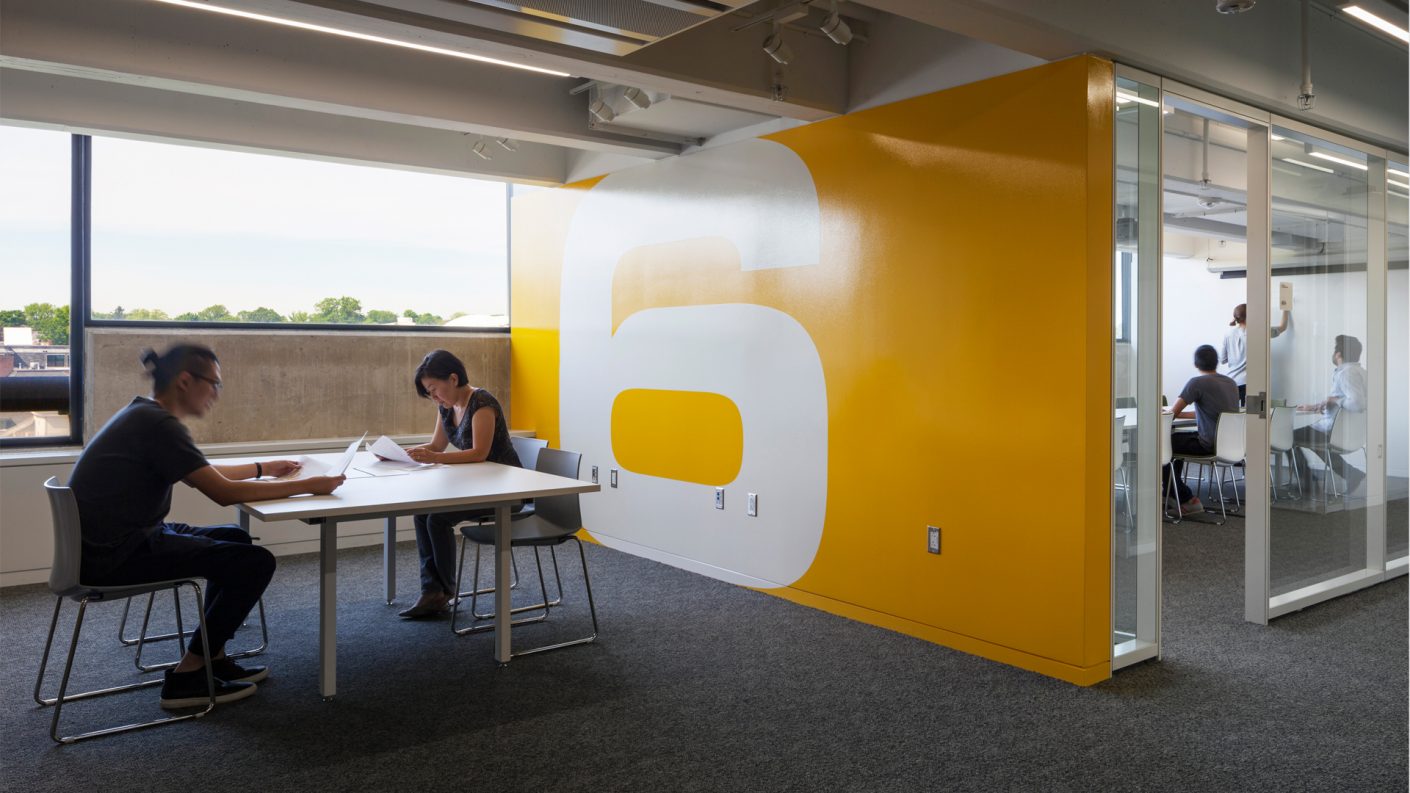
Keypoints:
pixel 699 685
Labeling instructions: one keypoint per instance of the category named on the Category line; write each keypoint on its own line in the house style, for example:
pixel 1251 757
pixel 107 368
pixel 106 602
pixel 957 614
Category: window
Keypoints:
pixel 35 268
pixel 192 234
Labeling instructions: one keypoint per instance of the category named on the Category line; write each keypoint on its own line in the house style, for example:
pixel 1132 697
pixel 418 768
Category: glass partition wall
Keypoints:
pixel 1318 376
pixel 1280 216
pixel 1397 292
pixel 1135 376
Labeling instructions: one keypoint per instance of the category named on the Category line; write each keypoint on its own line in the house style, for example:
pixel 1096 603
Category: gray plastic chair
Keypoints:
pixel 528 451
pixel 556 520
pixel 64 583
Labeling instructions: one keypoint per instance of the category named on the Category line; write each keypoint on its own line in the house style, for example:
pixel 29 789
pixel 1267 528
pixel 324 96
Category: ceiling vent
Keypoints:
pixel 1233 6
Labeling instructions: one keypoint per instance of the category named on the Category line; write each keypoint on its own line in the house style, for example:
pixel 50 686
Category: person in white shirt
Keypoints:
pixel 1234 355
pixel 1348 394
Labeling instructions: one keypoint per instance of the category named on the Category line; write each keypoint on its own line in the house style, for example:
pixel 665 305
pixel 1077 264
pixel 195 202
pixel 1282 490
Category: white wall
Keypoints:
pixel 1197 306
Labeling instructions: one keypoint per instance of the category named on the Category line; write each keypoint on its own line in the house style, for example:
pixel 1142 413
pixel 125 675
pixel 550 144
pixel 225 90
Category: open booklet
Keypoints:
pixel 391 459
pixel 309 466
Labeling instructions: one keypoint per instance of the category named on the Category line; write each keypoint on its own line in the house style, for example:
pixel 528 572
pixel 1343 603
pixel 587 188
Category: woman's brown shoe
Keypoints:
pixel 426 606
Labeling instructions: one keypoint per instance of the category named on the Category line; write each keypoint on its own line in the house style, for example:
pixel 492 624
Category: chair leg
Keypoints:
pixel 513 580
pixel 63 696
pixel 474 599
pixel 592 610
pixel 180 635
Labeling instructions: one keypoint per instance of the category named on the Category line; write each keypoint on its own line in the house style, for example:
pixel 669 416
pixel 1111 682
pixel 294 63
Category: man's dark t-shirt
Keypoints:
pixel 123 480
pixel 1211 394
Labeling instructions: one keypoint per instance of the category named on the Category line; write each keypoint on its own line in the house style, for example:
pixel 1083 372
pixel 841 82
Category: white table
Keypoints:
pixel 450 488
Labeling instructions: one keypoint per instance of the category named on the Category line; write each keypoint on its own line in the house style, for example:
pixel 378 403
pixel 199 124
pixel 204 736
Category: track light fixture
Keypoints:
pixel 775 47
pixel 602 111
pixel 479 150
pixel 506 144
pixel 637 98
pixel 834 28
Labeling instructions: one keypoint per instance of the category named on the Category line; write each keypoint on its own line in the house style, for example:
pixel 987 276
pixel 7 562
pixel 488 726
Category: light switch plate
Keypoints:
pixel 613 475
pixel 594 474
pixel 933 536
pixel 719 498
pixel 752 510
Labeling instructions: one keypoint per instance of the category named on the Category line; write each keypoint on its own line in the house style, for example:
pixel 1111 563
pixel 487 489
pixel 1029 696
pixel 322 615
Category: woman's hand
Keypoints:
pixel 323 485
pixel 278 468
pixel 421 454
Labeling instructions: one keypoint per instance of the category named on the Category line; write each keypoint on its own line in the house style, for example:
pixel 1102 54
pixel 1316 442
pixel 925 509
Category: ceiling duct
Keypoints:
pixel 616 27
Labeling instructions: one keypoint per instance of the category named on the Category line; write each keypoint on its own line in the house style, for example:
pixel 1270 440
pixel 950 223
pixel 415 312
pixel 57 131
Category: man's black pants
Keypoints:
pixel 236 572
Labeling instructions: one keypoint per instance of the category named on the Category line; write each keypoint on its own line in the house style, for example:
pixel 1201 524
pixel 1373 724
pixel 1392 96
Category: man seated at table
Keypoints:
pixel 1210 393
pixel 1348 394
pixel 122 483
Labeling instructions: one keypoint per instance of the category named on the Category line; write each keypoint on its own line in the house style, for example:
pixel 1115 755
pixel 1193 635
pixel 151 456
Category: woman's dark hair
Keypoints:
pixel 439 365
pixel 1206 358
pixel 165 367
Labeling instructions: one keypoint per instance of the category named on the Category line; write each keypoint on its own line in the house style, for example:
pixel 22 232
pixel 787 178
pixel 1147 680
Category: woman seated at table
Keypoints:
pixel 471 420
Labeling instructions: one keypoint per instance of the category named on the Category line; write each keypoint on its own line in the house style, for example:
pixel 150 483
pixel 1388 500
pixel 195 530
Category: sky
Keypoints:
pixel 179 228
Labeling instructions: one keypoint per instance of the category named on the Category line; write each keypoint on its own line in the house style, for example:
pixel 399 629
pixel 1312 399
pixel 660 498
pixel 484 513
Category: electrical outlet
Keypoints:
pixel 613 474
pixel 719 498
pixel 752 510
pixel 934 539
pixel 594 474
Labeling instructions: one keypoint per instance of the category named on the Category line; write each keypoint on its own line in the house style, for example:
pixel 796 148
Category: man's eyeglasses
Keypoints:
pixel 214 382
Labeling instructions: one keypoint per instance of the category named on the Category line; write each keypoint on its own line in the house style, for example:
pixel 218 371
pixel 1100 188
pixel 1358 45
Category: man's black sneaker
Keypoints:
pixel 188 690
pixel 231 672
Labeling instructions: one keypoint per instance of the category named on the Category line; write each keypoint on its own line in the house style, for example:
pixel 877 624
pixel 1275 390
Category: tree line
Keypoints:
pixel 51 323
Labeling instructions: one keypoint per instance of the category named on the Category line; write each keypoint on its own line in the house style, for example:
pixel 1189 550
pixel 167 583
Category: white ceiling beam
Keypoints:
pixel 144 43
pixel 127 110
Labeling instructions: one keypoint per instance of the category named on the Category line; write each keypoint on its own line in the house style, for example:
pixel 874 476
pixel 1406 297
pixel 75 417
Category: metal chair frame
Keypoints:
pixel 564 511
pixel 64 583
pixel 142 639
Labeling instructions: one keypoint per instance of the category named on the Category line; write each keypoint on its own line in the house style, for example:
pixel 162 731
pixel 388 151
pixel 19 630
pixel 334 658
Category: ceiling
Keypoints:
pixel 408 83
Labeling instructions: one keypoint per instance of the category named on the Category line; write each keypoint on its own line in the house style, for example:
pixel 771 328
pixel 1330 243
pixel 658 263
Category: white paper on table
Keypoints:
pixel 309 467
pixel 392 459
pixel 387 449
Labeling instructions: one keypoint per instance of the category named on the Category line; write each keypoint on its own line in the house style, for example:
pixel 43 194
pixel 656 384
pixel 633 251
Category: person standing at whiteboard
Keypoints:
pixel 1234 355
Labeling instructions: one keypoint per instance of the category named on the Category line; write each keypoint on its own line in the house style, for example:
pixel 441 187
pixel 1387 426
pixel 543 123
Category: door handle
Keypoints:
pixel 1257 403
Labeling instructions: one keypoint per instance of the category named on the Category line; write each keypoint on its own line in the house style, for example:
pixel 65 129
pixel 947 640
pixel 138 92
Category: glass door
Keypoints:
pixel 1136 464
pixel 1326 373
pixel 1397 487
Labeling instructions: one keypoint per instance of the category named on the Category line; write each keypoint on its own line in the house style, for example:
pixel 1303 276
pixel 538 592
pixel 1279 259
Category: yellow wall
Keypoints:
pixel 960 308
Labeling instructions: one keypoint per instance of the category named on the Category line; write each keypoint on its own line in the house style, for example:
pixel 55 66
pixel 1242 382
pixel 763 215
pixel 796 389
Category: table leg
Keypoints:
pixel 243 518
pixel 389 559
pixel 502 562
pixel 328 609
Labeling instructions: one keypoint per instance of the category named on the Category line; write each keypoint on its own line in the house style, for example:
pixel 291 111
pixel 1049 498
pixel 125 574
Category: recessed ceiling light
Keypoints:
pixel 1383 25
pixel 292 23
pixel 1348 163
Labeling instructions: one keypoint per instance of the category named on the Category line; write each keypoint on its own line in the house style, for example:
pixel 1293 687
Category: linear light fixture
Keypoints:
pixel 1330 158
pixel 1401 185
pixel 1398 195
pixel 1307 165
pixel 1378 23
pixel 292 23
pixel 1401 174
pixel 1124 96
